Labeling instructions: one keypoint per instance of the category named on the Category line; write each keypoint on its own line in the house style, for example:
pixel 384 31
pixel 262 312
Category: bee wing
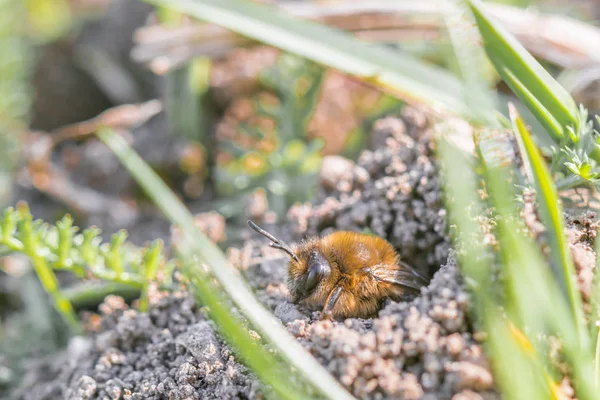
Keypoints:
pixel 402 275
pixel 423 279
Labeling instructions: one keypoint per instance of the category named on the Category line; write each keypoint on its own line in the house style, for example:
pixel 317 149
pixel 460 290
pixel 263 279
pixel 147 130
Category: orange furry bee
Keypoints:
pixel 346 274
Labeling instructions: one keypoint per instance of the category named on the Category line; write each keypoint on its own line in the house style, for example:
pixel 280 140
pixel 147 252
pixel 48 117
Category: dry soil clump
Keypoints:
pixel 171 352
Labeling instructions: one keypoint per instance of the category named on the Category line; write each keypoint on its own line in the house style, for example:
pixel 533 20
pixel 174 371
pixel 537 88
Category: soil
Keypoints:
pixel 171 352
pixel 419 349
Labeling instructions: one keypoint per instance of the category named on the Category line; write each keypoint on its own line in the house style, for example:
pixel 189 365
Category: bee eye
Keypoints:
pixel 313 278
pixel 317 268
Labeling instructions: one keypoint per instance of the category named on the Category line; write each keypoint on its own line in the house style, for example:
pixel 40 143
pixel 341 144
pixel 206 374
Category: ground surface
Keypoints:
pixel 425 348
pixel 420 349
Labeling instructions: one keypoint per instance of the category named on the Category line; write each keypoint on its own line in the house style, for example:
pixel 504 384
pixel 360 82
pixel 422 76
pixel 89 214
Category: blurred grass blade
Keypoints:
pixel 232 284
pixel 531 289
pixel 548 101
pixel 530 299
pixel 460 184
pixel 264 364
pixel 511 360
pixel 597 361
pixel 552 216
pixel 594 318
pixel 595 300
pixel 15 90
pixel 400 74
pixel 469 60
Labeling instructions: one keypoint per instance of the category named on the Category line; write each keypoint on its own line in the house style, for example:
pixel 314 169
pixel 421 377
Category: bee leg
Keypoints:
pixel 386 301
pixel 327 316
pixel 330 303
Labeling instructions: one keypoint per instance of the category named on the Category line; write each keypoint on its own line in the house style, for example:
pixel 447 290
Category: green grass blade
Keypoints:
pixel 265 365
pixel 228 277
pixel 546 99
pixel 597 361
pixel 594 318
pixel 532 296
pixel 469 60
pixel 552 216
pixel 510 360
pixel 15 91
pixel 399 73
pixel 91 293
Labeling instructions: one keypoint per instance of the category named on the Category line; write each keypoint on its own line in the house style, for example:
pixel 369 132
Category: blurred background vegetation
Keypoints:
pixel 242 128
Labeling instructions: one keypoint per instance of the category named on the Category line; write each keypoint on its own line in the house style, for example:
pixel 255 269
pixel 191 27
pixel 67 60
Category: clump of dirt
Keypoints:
pixel 171 352
pixel 581 228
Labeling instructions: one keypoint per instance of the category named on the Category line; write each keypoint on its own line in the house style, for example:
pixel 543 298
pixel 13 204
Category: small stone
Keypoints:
pixel 86 387
pixel 333 169
pixel 455 344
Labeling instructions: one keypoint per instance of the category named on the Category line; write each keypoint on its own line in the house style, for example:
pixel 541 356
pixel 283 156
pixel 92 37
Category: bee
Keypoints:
pixel 346 274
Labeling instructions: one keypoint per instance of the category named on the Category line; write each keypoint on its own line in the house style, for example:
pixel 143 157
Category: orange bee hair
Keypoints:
pixel 346 274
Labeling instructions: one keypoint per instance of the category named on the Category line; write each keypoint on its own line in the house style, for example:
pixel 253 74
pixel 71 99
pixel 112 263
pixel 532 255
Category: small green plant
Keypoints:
pixel 531 307
pixel 281 158
pixel 576 149
pixel 60 248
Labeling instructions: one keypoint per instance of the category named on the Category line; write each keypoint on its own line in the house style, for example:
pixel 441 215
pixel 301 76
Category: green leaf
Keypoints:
pixel 546 99
pixel 151 259
pixel 150 262
pixel 231 283
pixel 89 245
pixel 9 225
pixel 597 361
pixel 470 60
pixel 531 296
pixel 552 216
pixel 115 254
pixel 30 236
pixel 65 239
pixel 511 360
pixel 401 74
pixel 594 318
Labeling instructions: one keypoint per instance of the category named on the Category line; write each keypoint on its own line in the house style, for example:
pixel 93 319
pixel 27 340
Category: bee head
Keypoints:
pixel 307 268
pixel 317 269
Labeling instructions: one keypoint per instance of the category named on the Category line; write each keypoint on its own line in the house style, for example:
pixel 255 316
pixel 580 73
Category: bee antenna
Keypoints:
pixel 275 243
